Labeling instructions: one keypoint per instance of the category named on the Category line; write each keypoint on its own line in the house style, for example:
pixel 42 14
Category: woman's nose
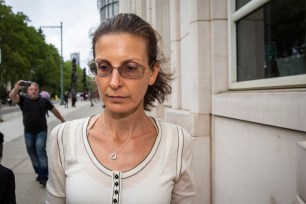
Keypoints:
pixel 115 81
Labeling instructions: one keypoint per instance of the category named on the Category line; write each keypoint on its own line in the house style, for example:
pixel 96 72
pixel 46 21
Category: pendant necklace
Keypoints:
pixel 113 155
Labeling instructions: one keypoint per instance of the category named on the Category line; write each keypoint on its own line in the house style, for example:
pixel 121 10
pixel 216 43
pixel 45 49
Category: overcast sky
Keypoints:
pixel 78 17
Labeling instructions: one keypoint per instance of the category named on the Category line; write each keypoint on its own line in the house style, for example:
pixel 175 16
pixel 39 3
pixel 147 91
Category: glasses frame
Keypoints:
pixel 94 70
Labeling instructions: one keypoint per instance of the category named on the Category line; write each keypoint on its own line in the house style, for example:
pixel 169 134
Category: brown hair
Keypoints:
pixel 134 25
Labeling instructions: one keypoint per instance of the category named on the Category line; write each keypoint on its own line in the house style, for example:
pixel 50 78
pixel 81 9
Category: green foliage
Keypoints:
pixel 26 55
pixel 67 77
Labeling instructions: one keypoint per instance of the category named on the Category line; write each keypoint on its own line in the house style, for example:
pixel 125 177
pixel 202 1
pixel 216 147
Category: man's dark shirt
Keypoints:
pixel 34 111
pixel 7 186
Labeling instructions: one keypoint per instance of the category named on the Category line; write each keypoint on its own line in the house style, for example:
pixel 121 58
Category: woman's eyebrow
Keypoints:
pixel 102 60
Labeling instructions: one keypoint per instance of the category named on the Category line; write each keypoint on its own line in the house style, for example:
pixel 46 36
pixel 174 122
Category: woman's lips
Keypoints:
pixel 117 98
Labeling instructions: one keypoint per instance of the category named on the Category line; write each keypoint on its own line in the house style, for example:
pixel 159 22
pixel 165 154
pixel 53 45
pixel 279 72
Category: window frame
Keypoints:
pixel 277 82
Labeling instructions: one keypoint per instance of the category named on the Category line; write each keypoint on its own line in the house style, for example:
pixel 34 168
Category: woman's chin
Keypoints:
pixel 121 109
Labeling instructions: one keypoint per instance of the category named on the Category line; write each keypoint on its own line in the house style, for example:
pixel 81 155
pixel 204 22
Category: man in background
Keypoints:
pixel 33 108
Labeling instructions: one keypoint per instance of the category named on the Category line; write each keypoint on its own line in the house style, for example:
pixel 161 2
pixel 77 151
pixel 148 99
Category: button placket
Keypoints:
pixel 116 187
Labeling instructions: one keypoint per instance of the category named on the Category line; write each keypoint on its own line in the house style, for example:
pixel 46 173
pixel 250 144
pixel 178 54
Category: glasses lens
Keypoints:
pixel 92 68
pixel 131 71
pixel 103 69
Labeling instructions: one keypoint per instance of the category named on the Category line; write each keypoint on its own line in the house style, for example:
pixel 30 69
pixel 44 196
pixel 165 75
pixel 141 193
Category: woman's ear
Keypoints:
pixel 154 73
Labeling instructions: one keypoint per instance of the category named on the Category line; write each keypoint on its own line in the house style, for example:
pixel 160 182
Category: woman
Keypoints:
pixel 122 155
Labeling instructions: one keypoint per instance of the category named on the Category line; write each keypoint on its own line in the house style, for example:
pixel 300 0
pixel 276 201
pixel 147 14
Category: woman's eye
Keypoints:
pixel 104 67
pixel 131 67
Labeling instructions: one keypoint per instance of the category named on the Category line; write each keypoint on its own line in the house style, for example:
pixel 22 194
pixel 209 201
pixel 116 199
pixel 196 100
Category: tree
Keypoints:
pixel 25 54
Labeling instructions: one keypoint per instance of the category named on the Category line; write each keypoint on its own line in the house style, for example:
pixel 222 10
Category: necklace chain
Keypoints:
pixel 114 153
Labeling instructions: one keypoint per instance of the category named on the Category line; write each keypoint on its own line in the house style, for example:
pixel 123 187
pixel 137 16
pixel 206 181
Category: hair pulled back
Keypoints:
pixel 136 26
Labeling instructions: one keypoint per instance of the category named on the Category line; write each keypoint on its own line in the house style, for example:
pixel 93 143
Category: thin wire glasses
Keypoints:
pixel 128 70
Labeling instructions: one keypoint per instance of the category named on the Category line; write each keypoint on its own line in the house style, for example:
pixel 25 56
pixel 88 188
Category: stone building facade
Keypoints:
pixel 240 92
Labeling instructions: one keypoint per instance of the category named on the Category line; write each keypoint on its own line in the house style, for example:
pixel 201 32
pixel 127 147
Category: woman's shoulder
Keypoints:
pixel 69 127
pixel 176 128
pixel 77 122
pixel 163 123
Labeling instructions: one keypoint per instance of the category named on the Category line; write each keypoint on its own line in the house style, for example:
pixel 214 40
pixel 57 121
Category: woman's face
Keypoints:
pixel 121 95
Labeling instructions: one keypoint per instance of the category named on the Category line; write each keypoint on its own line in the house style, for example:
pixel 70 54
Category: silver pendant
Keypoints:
pixel 113 156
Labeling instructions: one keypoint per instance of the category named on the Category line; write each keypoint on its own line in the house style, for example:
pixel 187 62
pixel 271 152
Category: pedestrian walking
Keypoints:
pixel 33 108
pixel 43 93
pixel 122 155
pixel 91 99
pixel 7 180
pixel 73 98
pixel 66 96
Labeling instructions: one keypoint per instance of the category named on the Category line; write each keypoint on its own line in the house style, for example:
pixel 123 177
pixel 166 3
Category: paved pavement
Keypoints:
pixel 15 157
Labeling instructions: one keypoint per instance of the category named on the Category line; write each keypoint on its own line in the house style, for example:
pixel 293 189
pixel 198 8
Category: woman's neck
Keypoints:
pixel 122 127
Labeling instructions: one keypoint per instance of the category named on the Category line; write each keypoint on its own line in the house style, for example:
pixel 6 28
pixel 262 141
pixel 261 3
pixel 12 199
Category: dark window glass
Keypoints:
pixel 240 3
pixel 271 41
pixel 108 8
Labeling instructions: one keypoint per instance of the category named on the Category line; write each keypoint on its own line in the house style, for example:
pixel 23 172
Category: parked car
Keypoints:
pixel 79 96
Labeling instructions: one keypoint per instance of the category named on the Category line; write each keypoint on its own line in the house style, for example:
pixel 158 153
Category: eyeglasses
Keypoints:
pixel 128 70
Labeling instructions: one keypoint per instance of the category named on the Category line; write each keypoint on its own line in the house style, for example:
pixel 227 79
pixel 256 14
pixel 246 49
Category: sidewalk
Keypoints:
pixel 15 156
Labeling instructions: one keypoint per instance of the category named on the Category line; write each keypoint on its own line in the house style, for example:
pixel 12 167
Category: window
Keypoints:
pixel 267 43
pixel 240 3
pixel 108 8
